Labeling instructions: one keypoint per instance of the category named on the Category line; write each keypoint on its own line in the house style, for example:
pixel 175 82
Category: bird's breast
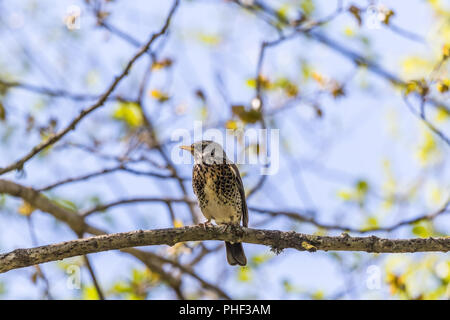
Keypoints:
pixel 217 198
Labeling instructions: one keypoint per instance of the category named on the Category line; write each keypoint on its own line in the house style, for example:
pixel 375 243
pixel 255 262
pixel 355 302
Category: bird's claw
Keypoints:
pixel 226 227
pixel 206 224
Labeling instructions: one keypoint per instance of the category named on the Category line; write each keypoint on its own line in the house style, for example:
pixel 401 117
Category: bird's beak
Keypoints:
pixel 188 148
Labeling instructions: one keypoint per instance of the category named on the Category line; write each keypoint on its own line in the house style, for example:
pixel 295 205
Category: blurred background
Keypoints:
pixel 357 89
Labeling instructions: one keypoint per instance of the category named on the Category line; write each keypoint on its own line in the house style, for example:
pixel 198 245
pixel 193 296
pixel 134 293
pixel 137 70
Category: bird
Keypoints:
pixel 218 186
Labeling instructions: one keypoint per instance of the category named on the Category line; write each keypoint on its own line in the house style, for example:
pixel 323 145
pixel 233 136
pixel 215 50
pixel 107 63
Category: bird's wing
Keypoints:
pixel 242 192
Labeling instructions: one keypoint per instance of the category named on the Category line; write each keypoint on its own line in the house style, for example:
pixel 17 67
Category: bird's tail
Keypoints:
pixel 235 254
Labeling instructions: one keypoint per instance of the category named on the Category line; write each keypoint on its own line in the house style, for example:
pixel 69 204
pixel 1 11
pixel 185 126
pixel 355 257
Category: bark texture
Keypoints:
pixel 277 240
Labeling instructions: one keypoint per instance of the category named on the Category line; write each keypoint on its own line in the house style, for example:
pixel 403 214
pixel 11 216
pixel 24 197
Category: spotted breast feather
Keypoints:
pixel 219 192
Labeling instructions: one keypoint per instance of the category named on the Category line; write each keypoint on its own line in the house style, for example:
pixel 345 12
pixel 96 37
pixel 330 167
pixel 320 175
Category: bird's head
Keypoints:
pixel 207 152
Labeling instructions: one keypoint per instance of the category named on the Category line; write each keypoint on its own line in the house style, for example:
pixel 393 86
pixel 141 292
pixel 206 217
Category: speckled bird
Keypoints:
pixel 220 193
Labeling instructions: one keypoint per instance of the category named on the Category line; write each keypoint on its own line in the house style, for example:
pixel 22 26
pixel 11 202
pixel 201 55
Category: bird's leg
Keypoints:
pixel 206 224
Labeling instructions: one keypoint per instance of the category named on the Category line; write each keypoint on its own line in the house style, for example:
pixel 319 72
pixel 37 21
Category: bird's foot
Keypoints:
pixel 226 227
pixel 206 224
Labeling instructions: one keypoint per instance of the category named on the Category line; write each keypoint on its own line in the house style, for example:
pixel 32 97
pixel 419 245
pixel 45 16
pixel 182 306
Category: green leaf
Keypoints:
pixel 259 259
pixel 121 287
pixel 210 39
pixel 2 288
pixel 2 112
pixel 423 229
pixel 318 295
pixel 287 86
pixel 282 12
pixel 89 293
pixel 244 274
pixel 263 82
pixel 250 116
pixel 362 186
pixel 345 195
pixel 307 7
pixel 288 286
pixel 129 113
pixel 371 223
pixel 159 95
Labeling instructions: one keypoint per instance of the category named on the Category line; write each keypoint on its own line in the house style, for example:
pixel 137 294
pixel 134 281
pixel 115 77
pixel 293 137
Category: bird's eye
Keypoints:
pixel 212 152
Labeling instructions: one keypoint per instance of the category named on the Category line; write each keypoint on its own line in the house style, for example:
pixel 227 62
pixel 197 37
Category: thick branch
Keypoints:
pixel 278 240
pixel 77 223
pixel 39 201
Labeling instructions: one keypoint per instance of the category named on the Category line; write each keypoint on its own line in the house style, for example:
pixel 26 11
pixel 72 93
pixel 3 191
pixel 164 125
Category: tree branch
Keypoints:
pixel 56 93
pixel 277 240
pixel 39 201
pixel 121 167
pixel 56 137
pixel 76 222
